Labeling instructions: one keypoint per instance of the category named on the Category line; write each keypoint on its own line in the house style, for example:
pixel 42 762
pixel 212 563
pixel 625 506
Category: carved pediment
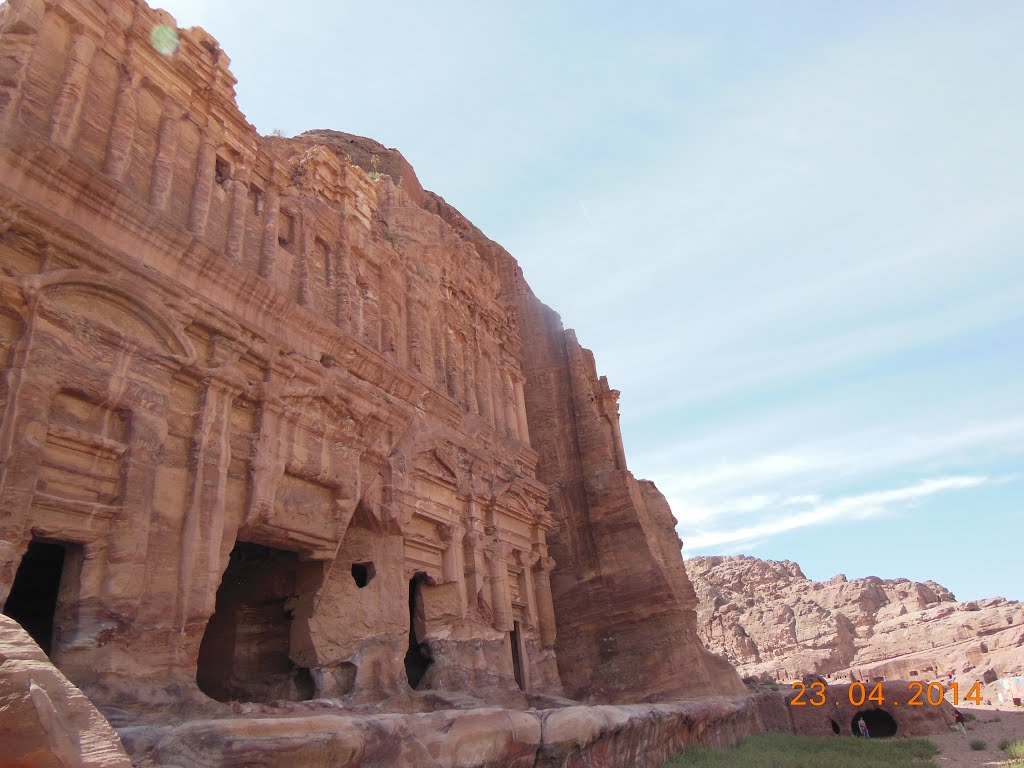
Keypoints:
pixel 100 308
pixel 437 464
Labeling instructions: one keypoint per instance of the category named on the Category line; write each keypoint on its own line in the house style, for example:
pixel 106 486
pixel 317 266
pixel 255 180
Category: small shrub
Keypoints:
pixel 970 718
pixel 1014 749
pixel 978 745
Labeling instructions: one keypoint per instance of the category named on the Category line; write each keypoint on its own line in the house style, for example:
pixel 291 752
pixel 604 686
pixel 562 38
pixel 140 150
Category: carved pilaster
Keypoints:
pixel 452 561
pixel 527 560
pixel 451 365
pixel 494 374
pixel 481 380
pixel 203 527
pixel 202 190
pixel 122 130
pixel 545 604
pixel 346 290
pixel 508 400
pixel 520 401
pixel 268 249
pixel 501 596
pixel 67 111
pixel 413 332
pixel 239 187
pixel 166 152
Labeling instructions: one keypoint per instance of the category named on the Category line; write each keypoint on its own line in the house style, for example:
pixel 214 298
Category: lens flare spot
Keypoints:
pixel 164 39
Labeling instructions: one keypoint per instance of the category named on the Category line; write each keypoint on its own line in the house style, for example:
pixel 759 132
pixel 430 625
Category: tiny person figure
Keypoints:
pixel 958 718
pixel 863 727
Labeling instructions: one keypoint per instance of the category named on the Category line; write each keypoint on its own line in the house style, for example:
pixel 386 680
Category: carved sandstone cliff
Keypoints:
pixel 277 427
pixel 767 617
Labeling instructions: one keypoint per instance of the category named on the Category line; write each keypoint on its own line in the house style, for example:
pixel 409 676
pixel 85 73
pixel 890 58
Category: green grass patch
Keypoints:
pixel 777 750
pixel 1014 749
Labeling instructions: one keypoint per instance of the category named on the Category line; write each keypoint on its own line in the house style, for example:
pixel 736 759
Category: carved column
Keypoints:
pixel 494 374
pixel 304 296
pixel 545 604
pixel 469 375
pixel 166 152
pixel 527 560
pixel 500 595
pixel 451 562
pixel 20 39
pixel 346 290
pixel 122 130
pixel 268 248
pixel 451 365
pixel 508 399
pixel 239 187
pixel 481 381
pixel 203 187
pixel 203 527
pixel 413 331
pixel 473 546
pixel 67 112
pixel 520 400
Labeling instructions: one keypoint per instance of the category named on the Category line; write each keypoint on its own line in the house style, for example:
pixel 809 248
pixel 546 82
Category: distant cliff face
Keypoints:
pixel 765 616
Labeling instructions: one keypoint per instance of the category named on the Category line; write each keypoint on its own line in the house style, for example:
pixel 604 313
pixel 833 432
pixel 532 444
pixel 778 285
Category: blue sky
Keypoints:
pixel 792 233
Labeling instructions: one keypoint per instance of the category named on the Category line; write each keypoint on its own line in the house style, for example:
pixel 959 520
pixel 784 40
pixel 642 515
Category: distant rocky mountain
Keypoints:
pixel 767 617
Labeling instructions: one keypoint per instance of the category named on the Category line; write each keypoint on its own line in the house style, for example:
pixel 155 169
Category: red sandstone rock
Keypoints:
pixel 767 617
pixel 45 722
pixel 278 427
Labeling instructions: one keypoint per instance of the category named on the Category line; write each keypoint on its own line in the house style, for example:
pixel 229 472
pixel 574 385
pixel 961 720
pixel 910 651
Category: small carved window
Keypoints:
pixel 255 200
pixel 222 171
pixel 286 231
pixel 363 573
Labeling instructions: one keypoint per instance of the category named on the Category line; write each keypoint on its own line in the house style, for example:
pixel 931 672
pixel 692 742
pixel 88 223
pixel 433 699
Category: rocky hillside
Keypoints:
pixel 767 617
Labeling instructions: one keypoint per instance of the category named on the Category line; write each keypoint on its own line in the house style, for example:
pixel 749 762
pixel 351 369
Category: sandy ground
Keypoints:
pixel 993 726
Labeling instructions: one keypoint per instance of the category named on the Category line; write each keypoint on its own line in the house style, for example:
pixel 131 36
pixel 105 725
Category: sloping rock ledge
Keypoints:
pixel 594 736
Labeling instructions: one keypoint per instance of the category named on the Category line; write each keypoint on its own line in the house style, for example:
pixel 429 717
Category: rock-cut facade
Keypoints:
pixel 279 424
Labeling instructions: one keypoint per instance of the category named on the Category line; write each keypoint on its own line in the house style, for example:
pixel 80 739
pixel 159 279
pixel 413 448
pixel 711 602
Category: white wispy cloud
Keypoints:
pixel 859 506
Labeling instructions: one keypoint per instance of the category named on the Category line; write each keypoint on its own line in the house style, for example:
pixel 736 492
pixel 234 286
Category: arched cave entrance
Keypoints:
pixel 836 729
pixel 417 657
pixel 881 724
pixel 245 651
pixel 44 588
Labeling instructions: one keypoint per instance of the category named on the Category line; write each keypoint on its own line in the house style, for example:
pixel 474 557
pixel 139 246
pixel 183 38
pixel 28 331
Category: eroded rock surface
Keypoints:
pixel 766 617
pixel 45 722
pixel 280 425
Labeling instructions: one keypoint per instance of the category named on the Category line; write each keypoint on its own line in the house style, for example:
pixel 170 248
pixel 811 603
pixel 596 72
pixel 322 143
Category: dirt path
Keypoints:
pixel 993 726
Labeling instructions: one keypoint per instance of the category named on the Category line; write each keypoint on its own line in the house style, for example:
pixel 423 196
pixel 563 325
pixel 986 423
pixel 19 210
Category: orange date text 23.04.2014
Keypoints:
pixel 921 694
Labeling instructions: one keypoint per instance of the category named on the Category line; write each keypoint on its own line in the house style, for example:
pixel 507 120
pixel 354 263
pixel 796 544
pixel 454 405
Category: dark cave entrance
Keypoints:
pixel 835 727
pixel 35 600
pixel 417 657
pixel 515 637
pixel 881 725
pixel 245 651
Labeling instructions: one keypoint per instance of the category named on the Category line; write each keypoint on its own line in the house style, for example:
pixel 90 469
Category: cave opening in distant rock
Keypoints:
pixel 417 658
pixel 881 725
pixel 41 592
pixel 835 727
pixel 245 651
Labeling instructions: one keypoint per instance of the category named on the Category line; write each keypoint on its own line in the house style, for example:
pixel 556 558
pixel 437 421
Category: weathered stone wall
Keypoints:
pixel 288 426
pixel 626 610
pixel 208 337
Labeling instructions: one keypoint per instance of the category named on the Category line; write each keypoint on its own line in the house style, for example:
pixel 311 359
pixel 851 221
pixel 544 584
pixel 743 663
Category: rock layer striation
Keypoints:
pixel 767 617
